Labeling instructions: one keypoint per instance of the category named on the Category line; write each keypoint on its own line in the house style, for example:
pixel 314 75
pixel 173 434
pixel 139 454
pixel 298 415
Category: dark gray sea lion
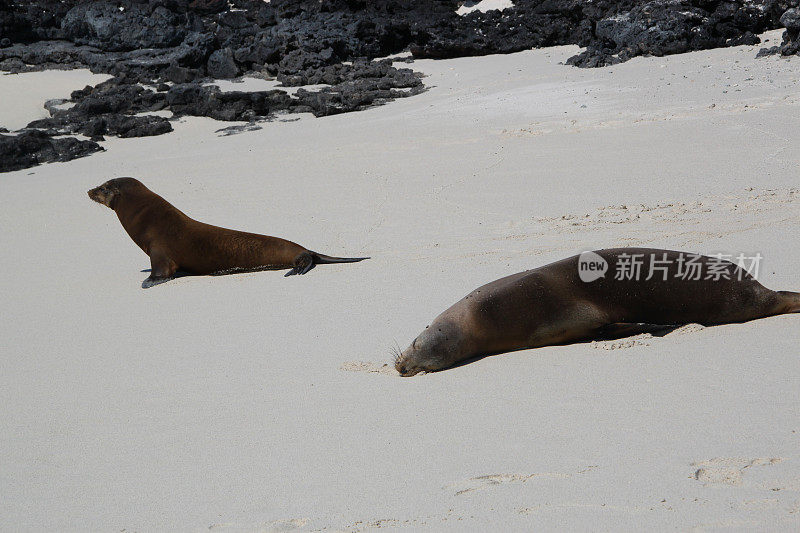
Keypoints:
pixel 588 296
pixel 176 242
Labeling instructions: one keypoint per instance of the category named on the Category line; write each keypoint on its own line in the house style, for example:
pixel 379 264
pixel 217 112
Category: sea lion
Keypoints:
pixel 558 304
pixel 176 242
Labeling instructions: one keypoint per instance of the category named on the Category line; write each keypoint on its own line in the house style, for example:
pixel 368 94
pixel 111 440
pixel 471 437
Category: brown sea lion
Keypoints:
pixel 176 242
pixel 585 297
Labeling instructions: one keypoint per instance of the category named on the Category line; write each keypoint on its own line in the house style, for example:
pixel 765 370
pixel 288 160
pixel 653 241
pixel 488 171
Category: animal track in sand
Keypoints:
pixel 279 526
pixel 549 507
pixel 728 470
pixel 372 368
pixel 687 329
pixel 415 523
pixel 362 525
pixel 761 503
pixel 719 209
pixel 578 125
pixel 643 339
pixel 491 480
pixel 628 342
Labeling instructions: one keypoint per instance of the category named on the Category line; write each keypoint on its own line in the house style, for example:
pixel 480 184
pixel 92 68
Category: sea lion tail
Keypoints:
pixel 790 301
pixel 323 259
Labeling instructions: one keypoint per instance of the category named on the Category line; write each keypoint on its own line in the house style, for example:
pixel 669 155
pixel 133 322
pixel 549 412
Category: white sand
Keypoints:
pixel 256 402
pixel 483 6
pixel 257 84
pixel 23 95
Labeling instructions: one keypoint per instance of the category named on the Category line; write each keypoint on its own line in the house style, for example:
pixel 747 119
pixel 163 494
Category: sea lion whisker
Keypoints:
pixel 395 354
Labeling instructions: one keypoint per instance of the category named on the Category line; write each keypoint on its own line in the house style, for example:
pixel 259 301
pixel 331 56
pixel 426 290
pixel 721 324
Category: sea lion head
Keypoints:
pixel 439 346
pixel 109 193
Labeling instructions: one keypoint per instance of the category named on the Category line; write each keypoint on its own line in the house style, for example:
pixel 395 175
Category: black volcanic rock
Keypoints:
pixel 790 19
pixel 347 92
pixel 105 124
pixel 148 43
pixel 288 36
pixel 221 64
pixel 206 7
pixel 191 99
pixel 664 27
pixel 109 26
pixel 110 108
pixel 31 148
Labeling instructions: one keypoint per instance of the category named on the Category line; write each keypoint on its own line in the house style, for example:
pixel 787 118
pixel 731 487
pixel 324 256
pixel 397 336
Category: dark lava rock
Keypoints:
pixel 113 27
pixel 359 69
pixel 352 87
pixel 221 64
pixel 180 39
pixel 208 6
pixel 772 50
pixel 790 19
pixel 332 42
pixel 237 129
pixel 104 124
pixel 289 36
pixel 664 27
pixel 109 108
pixel 31 148
pixel 192 99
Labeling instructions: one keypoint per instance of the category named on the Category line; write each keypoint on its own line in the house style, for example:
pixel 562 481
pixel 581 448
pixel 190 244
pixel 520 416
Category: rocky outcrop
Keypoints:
pixel 671 27
pixel 790 19
pixel 193 39
pixel 31 148
pixel 178 46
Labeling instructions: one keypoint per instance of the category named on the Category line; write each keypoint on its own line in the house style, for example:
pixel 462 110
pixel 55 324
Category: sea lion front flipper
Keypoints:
pixel 302 264
pixel 162 269
pixel 152 282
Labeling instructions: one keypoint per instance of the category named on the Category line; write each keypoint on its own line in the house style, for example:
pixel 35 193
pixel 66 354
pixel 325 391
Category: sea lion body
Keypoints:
pixel 176 242
pixel 553 305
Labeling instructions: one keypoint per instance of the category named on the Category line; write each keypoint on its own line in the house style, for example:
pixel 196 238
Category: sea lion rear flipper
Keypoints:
pixel 302 264
pixel 162 269
pixel 306 261
pixel 323 259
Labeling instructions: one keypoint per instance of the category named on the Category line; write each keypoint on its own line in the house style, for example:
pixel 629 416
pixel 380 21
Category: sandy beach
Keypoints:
pixel 255 402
